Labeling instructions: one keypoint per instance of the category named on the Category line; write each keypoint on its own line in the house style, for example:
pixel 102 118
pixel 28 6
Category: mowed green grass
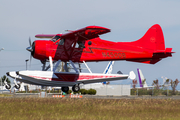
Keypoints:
pixel 88 109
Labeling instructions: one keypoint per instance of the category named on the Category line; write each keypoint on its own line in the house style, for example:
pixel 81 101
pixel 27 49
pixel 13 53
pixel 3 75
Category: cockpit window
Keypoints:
pixel 55 38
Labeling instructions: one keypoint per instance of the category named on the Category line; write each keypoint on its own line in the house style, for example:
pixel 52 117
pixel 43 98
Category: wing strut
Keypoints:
pixel 87 66
pixel 73 66
pixel 50 62
pixel 58 62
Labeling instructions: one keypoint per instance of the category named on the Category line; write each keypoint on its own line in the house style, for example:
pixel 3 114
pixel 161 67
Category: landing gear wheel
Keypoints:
pixel 76 88
pixel 8 86
pixel 65 89
pixel 17 86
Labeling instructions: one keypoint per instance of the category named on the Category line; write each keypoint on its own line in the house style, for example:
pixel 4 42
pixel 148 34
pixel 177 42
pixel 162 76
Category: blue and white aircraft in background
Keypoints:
pixel 108 69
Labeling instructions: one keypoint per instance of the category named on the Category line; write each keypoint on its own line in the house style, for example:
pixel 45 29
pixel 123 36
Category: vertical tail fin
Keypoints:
pixel 152 40
pixel 109 67
pixel 142 80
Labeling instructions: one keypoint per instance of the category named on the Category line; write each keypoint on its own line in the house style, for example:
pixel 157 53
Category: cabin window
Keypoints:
pixel 61 42
pixel 55 38
pixel 77 46
pixel 80 44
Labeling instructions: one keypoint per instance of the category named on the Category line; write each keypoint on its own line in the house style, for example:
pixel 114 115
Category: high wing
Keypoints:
pixel 86 33
pixel 72 38
pixel 79 37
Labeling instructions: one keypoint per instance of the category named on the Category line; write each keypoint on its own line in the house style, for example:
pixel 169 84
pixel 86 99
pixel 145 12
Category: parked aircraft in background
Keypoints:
pixel 65 79
pixel 142 80
pixel 108 69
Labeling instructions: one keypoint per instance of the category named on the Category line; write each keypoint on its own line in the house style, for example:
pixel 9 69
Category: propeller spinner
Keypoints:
pixel 30 49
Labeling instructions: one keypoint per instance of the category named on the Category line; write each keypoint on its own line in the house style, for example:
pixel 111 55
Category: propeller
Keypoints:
pixel 30 49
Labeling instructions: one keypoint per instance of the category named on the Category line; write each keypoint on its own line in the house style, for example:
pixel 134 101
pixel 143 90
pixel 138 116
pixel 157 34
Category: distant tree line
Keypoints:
pixel 4 78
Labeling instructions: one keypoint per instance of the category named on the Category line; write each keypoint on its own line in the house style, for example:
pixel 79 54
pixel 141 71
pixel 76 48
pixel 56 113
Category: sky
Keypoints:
pixel 128 20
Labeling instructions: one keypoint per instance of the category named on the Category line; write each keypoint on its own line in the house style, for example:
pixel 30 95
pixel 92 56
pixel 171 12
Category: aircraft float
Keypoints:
pixel 85 45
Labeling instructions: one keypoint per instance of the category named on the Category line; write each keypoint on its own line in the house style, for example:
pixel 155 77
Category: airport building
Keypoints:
pixel 104 89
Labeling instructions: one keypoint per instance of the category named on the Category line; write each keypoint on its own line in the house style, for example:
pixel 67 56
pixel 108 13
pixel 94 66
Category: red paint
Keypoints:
pixel 148 49
pixel 73 77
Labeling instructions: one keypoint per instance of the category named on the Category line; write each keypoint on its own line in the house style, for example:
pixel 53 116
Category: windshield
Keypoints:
pixel 55 38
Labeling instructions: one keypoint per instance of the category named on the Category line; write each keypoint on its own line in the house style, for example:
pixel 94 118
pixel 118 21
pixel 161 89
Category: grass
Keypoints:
pixel 88 109
pixel 5 95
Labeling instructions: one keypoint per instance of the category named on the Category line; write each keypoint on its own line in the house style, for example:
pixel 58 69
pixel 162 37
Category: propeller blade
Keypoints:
pixel 30 41
pixel 30 49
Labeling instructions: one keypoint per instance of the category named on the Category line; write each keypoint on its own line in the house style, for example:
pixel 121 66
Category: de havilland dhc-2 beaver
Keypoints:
pixel 85 45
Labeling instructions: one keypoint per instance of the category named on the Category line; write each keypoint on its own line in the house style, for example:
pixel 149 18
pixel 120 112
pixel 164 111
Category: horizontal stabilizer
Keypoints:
pixel 151 61
pixel 168 50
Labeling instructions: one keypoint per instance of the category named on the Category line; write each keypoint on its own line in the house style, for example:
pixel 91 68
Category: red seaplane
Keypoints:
pixel 84 45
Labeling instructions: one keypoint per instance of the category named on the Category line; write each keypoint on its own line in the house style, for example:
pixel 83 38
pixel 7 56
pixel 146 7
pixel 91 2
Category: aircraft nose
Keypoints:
pixel 30 49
